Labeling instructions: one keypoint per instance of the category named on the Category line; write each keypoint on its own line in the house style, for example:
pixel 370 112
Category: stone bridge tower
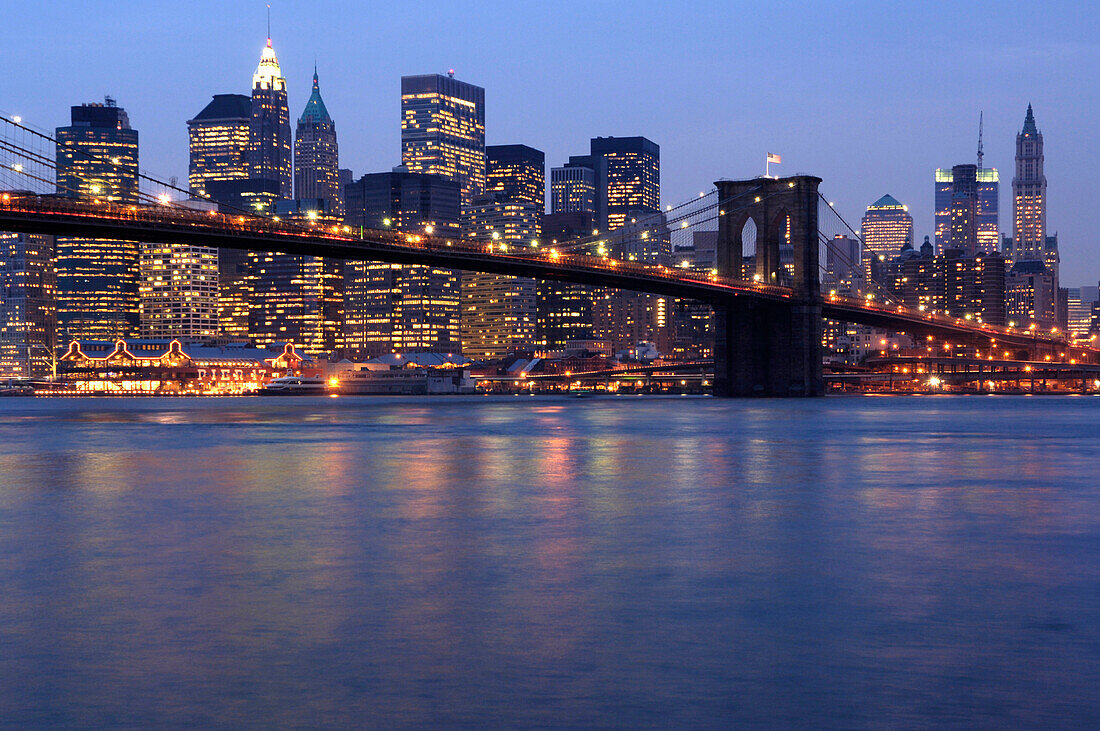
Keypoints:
pixel 762 347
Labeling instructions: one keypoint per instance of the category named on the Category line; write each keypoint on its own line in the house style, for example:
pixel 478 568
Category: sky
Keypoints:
pixel 869 96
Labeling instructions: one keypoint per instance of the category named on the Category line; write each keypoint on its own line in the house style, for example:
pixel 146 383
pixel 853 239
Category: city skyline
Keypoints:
pixel 903 133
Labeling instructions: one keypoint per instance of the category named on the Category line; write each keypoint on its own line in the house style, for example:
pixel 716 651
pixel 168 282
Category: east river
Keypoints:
pixel 840 562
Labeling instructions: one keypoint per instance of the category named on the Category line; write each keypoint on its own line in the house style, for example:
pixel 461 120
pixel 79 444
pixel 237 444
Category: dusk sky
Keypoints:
pixel 869 96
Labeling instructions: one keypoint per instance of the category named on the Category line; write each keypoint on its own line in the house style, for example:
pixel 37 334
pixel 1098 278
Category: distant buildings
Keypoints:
pixel 269 148
pixel 952 283
pixel 564 309
pixel 498 311
pixel 218 142
pixel 573 189
pixel 443 130
pixel 967 209
pixel 28 305
pixel 886 227
pixel 316 154
pixel 399 308
pixel 97 280
pixel 1031 294
pixel 625 173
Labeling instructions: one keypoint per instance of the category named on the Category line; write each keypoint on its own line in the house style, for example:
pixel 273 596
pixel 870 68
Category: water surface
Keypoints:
pixel 550 561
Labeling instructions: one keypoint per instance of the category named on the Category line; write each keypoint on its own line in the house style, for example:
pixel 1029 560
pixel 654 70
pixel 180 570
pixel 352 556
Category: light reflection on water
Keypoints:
pixel 538 561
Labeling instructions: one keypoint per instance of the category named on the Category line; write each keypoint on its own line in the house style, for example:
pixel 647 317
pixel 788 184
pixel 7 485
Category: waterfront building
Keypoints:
pixel 98 280
pixel 158 366
pixel 28 307
pixel 295 298
pixel 179 288
pixel 1031 292
pixel 443 130
pixel 498 311
pixel 967 216
pixel 269 148
pixel 399 308
pixel 218 142
pixel 316 154
pixel 886 227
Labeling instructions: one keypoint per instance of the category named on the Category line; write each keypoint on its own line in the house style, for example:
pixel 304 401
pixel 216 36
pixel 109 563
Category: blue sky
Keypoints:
pixel 869 96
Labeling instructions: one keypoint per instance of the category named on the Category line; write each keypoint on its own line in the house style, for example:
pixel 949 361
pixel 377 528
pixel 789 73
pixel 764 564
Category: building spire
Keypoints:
pixel 1029 122
pixel 981 125
pixel 269 24
pixel 315 110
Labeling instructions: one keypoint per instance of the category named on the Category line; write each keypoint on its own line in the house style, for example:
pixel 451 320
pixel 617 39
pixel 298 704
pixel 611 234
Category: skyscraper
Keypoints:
pixel 400 308
pixel 628 178
pixel 28 308
pixel 316 156
pixel 967 215
pixel 573 189
pixel 269 127
pixel 443 130
pixel 564 309
pixel 218 142
pixel 498 311
pixel 97 280
pixel 1029 192
pixel 886 227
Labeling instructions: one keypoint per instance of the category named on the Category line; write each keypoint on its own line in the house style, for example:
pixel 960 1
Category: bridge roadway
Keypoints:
pixel 63 216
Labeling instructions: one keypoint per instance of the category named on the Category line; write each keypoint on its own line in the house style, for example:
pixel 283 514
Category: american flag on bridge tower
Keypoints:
pixel 774 159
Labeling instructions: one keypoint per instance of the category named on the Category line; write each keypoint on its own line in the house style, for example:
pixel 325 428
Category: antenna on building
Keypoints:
pixel 981 124
pixel 269 21
pixel 109 100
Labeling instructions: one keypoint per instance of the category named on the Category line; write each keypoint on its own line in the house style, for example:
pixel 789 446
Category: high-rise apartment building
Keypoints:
pixel 316 155
pixel 443 130
pixel 97 280
pixel 886 227
pixel 28 308
pixel 498 311
pixel 269 148
pixel 400 308
pixel 218 142
pixel 967 215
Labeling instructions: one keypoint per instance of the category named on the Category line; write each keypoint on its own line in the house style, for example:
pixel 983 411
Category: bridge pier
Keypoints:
pixel 769 347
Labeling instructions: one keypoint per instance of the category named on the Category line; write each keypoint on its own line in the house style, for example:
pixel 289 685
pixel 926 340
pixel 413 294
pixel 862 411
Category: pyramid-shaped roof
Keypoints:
pixel 886 201
pixel 1029 123
pixel 315 110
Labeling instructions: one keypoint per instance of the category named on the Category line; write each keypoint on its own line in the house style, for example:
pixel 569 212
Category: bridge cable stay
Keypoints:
pixel 880 286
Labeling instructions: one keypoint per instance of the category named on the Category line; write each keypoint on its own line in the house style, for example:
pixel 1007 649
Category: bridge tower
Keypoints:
pixel 769 348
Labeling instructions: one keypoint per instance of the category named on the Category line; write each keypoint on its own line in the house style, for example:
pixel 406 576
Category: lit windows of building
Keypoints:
pixel 218 142
pixel 28 308
pixel 967 215
pixel 1031 294
pixel 573 189
pixel 628 178
pixel 269 145
pixel 97 280
pixel 564 309
pixel 886 228
pixel 401 308
pixel 316 154
pixel 443 130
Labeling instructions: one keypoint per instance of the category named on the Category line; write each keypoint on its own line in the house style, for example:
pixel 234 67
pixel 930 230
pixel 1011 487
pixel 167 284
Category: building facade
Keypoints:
pixel 28 306
pixel 967 211
pixel 316 154
pixel 98 280
pixel 573 189
pixel 886 228
pixel 970 286
pixel 563 311
pixel 218 142
pixel 1030 241
pixel 628 179
pixel 443 130
pixel 1031 293
pixel 401 308
pixel 269 147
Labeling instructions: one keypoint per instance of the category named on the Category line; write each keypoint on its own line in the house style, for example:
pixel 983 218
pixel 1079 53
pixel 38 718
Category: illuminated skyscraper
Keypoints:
pixel 573 189
pixel 498 311
pixel 269 126
pixel 1029 192
pixel 443 130
pixel 316 156
pixel 564 309
pixel 218 142
pixel 628 179
pixel 28 308
pixel 885 228
pixel 400 308
pixel 97 280
pixel 966 209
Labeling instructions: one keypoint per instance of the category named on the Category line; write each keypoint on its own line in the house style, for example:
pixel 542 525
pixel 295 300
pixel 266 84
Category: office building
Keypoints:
pixel 1031 292
pixel 1029 194
pixel 269 148
pixel 401 308
pixel 28 308
pixel 97 280
pixel 951 283
pixel 886 227
pixel 573 189
pixel 627 174
pixel 179 288
pixel 316 155
pixel 564 309
pixel 498 311
pixel 966 209
pixel 443 130
pixel 218 142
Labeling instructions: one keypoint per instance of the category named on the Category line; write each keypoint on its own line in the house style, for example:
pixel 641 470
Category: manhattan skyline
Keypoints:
pixel 840 94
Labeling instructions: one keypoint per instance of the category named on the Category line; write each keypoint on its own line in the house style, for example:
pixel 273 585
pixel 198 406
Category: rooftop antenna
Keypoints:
pixel 269 21
pixel 981 124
